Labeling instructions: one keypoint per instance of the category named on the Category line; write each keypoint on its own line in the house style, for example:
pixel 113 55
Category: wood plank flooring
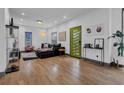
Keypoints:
pixel 63 70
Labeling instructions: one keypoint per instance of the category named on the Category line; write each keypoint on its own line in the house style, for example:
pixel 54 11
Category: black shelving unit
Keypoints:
pixel 13 53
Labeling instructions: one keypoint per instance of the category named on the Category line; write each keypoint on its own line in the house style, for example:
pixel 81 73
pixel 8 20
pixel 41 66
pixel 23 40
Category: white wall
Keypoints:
pixel 96 17
pixel 37 38
pixel 4 17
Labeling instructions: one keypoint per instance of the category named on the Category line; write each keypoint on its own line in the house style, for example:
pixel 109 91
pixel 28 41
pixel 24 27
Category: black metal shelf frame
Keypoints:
pixel 101 49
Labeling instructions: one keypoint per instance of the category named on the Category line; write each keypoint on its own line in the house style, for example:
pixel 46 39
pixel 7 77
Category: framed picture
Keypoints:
pixel 28 38
pixel 62 36
pixel 54 37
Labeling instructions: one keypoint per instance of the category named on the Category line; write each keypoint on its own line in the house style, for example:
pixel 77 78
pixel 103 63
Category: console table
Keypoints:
pixel 94 49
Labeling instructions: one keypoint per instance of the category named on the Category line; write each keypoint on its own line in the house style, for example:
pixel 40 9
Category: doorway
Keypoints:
pixel 75 41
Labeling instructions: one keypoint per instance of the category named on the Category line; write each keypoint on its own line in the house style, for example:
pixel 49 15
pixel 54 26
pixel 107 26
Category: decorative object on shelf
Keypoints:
pixel 14 44
pixel 13 54
pixel 97 46
pixel 119 36
pixel 99 43
pixel 88 45
pixel 88 30
pixel 11 32
pixel 62 36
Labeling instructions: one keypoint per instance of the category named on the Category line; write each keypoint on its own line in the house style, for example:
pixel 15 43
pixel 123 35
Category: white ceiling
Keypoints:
pixel 49 16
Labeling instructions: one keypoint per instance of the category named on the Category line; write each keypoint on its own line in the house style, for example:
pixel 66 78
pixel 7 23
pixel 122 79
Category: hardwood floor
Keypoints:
pixel 63 70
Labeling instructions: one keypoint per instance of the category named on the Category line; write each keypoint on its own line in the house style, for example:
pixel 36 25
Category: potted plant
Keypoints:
pixel 119 36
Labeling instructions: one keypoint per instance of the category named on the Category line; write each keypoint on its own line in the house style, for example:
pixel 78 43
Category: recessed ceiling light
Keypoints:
pixel 21 19
pixel 22 13
pixel 39 21
pixel 65 17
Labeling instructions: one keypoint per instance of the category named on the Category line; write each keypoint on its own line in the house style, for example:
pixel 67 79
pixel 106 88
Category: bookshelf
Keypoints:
pixel 13 53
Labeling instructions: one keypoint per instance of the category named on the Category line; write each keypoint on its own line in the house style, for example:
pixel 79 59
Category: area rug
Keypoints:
pixel 28 56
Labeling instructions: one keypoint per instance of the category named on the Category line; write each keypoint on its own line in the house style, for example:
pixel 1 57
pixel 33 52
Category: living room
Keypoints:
pixel 62 43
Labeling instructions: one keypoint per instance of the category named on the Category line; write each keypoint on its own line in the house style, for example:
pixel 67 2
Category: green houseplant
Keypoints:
pixel 119 36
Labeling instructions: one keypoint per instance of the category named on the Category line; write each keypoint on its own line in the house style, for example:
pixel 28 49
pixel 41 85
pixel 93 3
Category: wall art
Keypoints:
pixel 88 30
pixel 99 28
pixel 62 36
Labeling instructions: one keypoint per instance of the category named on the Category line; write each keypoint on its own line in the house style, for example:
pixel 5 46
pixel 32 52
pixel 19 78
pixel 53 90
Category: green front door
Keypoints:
pixel 75 41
